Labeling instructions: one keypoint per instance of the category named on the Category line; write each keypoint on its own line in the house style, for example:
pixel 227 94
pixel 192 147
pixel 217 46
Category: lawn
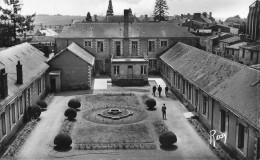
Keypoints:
pixel 94 132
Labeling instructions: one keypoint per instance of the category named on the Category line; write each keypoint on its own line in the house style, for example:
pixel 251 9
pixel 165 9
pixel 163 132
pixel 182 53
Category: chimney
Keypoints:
pixel 146 18
pixel 126 23
pixel 219 32
pixel 19 73
pixel 3 84
pixel 210 14
pixel 243 37
pixel 95 18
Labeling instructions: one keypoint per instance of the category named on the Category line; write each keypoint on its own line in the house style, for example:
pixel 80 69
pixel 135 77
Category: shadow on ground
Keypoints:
pixel 58 149
pixel 169 148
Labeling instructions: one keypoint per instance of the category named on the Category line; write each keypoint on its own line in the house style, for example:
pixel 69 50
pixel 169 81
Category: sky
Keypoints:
pixel 219 8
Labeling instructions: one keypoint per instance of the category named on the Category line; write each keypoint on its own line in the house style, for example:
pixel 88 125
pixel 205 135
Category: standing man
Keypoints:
pixel 154 90
pixel 164 111
pixel 159 90
pixel 166 91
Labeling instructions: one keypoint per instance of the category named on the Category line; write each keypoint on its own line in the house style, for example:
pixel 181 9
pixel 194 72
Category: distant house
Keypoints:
pixel 44 40
pixel 250 54
pixel 199 21
pixel 227 42
pixel 22 84
pixel 223 93
pixel 133 45
pixel 232 52
pixel 46 32
pixel 71 69
pixel 46 44
pixel 213 41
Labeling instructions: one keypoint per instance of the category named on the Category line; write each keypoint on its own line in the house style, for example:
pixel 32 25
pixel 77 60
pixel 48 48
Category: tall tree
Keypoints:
pixel 13 23
pixel 89 18
pixel 110 11
pixel 160 10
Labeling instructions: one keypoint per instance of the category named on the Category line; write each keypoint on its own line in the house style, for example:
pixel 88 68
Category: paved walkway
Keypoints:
pixel 189 144
pixel 37 146
pixel 101 83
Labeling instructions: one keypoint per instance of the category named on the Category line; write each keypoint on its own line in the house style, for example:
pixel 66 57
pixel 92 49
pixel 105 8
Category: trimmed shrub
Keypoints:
pixel 74 103
pixel 167 138
pixel 42 104
pixel 35 111
pixel 62 140
pixel 71 113
pixel 151 103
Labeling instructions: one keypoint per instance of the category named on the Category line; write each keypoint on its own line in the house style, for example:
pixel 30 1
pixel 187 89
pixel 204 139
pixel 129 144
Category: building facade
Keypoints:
pixel 18 90
pixel 224 94
pixel 70 69
pixel 253 21
pixel 125 42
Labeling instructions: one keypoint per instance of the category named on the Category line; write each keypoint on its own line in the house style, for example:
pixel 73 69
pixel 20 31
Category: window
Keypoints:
pixel 21 105
pixel 204 105
pixel 243 53
pixel 13 113
pixel 151 46
pixel 164 43
pixel 143 69
pixel 40 46
pixel 240 136
pixel 183 86
pixel 174 82
pixel 251 56
pixel 118 48
pixel 43 82
pixel 100 47
pixel 39 84
pixel 134 47
pixel 3 123
pixel 196 97
pixel 222 120
pixel 87 43
pixel 179 82
pixel 152 64
pixel 190 91
pixel 116 70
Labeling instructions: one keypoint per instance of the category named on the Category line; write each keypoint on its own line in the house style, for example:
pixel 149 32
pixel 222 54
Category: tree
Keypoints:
pixel 110 11
pixel 13 23
pixel 160 10
pixel 89 18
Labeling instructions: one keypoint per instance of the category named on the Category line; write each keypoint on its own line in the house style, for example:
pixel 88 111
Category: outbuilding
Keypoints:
pixel 70 69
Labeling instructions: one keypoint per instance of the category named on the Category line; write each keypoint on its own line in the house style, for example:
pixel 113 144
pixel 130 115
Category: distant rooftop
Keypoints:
pixel 237 45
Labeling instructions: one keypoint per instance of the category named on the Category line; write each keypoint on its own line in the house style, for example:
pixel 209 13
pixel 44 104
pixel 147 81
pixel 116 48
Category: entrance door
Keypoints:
pixel 53 85
pixel 118 48
pixel 130 72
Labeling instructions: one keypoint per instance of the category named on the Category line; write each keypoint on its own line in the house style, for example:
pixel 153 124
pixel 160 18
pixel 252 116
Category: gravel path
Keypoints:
pixel 37 146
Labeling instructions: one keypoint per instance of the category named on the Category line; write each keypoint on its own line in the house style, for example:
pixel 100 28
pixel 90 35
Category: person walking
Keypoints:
pixel 164 111
pixel 159 90
pixel 166 91
pixel 154 90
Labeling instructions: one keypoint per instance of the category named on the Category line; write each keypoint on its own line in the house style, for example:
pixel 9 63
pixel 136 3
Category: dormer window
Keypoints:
pixel 87 43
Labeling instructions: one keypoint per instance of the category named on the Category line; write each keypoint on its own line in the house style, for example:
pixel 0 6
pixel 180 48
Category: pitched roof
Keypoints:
pixel 38 39
pixel 80 52
pixel 237 45
pixel 116 30
pixel 119 18
pixel 32 60
pixel 231 83
pixel 231 39
pixel 46 32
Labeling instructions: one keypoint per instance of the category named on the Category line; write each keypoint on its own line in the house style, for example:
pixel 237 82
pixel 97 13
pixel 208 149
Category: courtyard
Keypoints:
pixel 130 137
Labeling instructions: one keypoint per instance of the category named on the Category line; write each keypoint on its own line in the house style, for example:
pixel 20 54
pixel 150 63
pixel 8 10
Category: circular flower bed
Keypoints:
pixel 129 115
